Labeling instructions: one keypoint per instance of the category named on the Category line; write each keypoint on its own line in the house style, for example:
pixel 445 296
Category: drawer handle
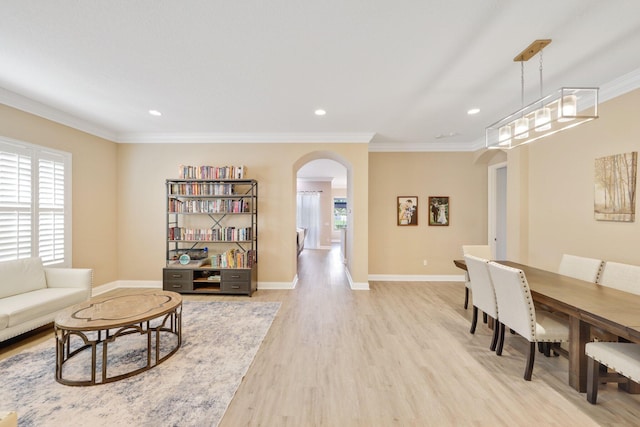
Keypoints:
pixel 235 276
pixel 176 276
pixel 235 287
pixel 176 286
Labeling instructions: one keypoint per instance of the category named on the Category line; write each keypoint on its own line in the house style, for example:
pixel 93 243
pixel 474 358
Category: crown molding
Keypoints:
pixel 31 106
pixel 270 138
pixel 419 146
pixel 620 86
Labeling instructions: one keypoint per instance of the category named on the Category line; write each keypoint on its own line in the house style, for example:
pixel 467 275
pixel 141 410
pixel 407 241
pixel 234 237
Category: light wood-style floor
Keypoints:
pixel 397 355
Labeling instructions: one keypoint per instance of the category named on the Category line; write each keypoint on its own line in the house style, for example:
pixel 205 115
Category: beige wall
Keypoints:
pixel 551 198
pixel 95 204
pixel 401 250
pixel 143 168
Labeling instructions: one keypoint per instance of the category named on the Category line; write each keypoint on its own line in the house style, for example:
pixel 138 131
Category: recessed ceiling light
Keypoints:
pixel 155 113
pixel 320 112
pixel 473 111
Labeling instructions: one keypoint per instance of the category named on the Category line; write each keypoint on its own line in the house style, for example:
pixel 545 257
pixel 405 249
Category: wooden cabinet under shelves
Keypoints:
pixel 241 281
pixel 212 229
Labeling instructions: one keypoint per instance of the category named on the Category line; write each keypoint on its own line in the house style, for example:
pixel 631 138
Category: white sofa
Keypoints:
pixel 31 295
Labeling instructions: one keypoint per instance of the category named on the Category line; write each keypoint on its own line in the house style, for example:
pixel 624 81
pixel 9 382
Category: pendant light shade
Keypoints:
pixel 568 108
pixel 521 128
pixel 504 135
pixel 543 119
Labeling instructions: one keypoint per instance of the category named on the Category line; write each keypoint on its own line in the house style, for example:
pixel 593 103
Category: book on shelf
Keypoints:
pixel 233 258
pixel 222 234
pixel 200 189
pixel 209 206
pixel 212 172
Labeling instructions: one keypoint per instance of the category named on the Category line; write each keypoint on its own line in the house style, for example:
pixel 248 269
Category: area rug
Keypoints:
pixel 191 388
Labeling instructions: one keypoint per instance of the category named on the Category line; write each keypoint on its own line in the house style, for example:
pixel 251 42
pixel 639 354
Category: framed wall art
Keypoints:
pixel 439 210
pixel 407 210
pixel 615 187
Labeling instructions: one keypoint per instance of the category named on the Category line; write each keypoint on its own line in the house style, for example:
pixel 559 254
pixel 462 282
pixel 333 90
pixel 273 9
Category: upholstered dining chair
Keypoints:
pixel 481 251
pixel 578 267
pixel 622 357
pixel 484 296
pixel 624 277
pixel 517 312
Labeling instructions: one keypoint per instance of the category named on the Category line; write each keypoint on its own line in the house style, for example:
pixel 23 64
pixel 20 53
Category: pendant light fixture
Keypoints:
pixel 566 108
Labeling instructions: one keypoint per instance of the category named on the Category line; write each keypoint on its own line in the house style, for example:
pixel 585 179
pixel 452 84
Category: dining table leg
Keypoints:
pixel 578 336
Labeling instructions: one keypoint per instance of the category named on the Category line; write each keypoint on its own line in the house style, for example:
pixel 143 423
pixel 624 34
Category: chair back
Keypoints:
pixel 481 251
pixel 484 296
pixel 587 269
pixel 624 277
pixel 514 299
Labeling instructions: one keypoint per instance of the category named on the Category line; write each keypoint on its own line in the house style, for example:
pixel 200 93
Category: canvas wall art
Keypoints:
pixel 615 187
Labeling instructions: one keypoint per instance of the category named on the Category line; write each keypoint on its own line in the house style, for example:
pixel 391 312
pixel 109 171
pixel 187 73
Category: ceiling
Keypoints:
pixel 399 75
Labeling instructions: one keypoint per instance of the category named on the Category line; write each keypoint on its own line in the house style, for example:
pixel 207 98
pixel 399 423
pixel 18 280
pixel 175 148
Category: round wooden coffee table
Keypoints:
pixel 93 325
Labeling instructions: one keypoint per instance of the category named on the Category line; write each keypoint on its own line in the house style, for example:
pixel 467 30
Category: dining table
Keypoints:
pixel 587 305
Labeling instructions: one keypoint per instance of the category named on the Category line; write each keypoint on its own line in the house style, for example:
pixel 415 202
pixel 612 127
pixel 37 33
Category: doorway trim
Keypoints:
pixel 491 204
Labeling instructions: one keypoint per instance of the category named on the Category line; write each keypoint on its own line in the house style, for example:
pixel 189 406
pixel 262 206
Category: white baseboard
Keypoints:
pixel 416 278
pixel 356 286
pixel 278 285
pixel 126 284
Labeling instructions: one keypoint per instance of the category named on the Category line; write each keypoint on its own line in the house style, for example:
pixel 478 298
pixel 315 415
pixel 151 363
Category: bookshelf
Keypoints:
pixel 212 229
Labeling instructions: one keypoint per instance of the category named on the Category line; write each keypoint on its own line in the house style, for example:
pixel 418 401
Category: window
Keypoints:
pixel 339 213
pixel 35 203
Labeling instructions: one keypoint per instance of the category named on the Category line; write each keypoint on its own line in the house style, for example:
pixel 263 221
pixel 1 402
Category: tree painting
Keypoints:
pixel 615 187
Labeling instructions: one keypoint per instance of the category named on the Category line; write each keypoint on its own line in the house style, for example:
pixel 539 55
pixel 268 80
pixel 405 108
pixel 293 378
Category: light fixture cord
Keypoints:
pixel 541 92
pixel 522 84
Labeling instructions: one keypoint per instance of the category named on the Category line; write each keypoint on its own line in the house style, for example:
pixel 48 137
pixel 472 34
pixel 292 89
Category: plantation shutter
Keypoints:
pixel 34 191
pixel 51 208
pixel 15 203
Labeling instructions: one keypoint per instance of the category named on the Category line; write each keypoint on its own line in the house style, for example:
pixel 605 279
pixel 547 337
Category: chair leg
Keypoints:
pixel 530 359
pixel 547 349
pixel 466 297
pixel 474 320
pixel 593 370
pixel 500 325
pixel 494 339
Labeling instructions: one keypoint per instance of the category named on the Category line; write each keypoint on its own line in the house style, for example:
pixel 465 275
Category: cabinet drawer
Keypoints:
pixel 236 275
pixel 175 275
pixel 235 287
pixel 177 286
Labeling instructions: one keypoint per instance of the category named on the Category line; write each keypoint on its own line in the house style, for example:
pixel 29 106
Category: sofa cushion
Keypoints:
pixel 22 275
pixel 31 305
pixel 4 320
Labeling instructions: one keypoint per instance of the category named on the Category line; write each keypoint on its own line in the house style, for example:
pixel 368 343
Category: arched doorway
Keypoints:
pixel 322 196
